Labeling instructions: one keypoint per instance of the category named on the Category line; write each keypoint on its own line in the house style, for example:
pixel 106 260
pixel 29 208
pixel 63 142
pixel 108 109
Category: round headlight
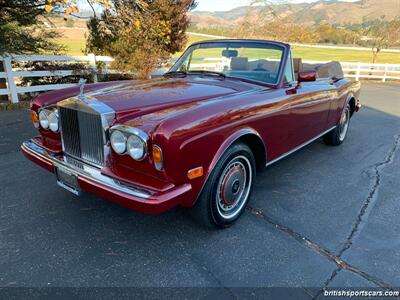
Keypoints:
pixel 53 121
pixel 44 119
pixel 118 142
pixel 136 147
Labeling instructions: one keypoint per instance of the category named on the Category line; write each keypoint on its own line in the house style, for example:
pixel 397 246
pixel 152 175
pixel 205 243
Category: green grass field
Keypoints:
pixel 73 46
pixel 322 54
pixel 76 43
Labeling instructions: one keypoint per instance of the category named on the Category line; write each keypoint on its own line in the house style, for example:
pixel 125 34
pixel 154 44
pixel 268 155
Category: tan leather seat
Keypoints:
pixel 331 69
pixel 271 66
pixel 297 67
pixel 239 63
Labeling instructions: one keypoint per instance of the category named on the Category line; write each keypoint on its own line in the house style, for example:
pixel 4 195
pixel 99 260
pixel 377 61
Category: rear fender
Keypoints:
pixel 347 101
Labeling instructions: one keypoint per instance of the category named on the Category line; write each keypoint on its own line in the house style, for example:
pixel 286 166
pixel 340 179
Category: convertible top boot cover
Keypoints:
pixel 331 69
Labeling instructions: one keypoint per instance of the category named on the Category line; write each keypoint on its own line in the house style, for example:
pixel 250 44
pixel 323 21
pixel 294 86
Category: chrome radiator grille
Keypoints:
pixel 82 135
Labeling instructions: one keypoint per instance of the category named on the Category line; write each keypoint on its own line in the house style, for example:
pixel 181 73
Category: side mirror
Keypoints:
pixel 307 76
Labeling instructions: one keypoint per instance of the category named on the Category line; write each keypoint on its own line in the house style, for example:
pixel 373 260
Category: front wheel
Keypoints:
pixel 228 188
pixel 338 135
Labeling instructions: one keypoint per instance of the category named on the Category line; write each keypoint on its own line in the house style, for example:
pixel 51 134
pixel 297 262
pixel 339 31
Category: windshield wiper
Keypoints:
pixel 205 72
pixel 173 73
pixel 195 72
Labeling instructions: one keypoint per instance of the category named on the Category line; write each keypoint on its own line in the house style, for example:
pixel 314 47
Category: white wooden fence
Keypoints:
pixel 13 75
pixel 371 71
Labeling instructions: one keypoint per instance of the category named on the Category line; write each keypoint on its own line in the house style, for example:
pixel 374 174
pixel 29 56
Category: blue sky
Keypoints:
pixel 219 5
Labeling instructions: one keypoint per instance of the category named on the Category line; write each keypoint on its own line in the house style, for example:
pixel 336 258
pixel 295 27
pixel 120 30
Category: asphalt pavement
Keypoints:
pixel 323 217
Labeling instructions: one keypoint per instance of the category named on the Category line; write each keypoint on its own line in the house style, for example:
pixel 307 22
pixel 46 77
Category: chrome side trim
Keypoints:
pixel 84 170
pixel 299 147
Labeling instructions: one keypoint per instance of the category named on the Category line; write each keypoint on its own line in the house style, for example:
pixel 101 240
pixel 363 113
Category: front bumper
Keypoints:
pixel 92 180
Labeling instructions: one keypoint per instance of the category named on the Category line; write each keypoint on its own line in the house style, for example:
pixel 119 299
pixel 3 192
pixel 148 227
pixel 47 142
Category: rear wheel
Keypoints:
pixel 338 135
pixel 228 188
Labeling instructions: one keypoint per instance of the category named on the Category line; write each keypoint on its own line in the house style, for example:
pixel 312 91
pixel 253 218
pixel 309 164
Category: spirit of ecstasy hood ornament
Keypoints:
pixel 81 84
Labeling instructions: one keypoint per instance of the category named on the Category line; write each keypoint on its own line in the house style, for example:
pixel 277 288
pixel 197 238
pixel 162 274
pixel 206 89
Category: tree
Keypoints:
pixel 140 34
pixel 69 7
pixel 20 28
pixel 383 35
pixel 329 34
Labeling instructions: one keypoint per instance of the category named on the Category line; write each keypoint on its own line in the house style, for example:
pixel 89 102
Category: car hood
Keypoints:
pixel 137 97
pixel 130 99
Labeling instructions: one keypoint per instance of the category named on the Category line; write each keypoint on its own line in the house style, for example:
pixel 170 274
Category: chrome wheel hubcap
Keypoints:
pixel 234 187
pixel 344 123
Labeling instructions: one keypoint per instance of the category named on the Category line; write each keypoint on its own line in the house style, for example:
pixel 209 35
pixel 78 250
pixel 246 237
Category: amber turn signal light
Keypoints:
pixel 195 173
pixel 35 119
pixel 158 157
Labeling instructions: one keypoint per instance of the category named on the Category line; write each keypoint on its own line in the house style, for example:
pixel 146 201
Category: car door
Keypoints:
pixel 310 104
pixel 309 111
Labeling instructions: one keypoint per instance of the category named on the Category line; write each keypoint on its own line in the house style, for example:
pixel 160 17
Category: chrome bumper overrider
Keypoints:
pixel 82 170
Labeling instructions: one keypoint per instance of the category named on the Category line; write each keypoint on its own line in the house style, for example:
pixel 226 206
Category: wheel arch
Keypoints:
pixel 257 146
pixel 248 136
pixel 351 100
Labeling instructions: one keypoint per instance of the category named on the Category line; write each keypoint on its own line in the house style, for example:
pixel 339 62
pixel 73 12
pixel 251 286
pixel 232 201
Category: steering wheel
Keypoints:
pixel 261 70
pixel 266 73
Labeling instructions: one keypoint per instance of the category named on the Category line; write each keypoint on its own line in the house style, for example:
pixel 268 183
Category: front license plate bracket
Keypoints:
pixel 67 180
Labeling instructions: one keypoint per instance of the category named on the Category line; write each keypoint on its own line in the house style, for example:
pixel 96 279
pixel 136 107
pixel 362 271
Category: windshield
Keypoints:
pixel 247 60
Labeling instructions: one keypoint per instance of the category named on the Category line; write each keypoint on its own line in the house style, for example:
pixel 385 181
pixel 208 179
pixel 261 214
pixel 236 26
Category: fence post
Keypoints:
pixel 358 71
pixel 385 74
pixel 92 62
pixel 12 89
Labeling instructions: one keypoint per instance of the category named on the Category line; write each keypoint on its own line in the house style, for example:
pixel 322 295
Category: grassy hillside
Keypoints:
pixel 331 12
pixel 74 39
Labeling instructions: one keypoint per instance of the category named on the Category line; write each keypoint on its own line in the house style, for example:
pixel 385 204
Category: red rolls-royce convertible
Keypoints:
pixel 195 136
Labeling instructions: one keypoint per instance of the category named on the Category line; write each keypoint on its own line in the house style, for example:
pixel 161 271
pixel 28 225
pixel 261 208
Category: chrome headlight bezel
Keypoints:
pixel 46 114
pixel 131 133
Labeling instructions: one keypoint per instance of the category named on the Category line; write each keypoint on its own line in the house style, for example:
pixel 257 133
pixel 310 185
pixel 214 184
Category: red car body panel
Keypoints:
pixel 194 119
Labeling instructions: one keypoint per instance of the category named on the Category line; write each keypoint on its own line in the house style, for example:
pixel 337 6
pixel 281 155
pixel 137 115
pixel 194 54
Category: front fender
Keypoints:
pixel 227 142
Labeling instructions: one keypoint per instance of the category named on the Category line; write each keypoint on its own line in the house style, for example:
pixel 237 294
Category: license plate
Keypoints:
pixel 67 180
